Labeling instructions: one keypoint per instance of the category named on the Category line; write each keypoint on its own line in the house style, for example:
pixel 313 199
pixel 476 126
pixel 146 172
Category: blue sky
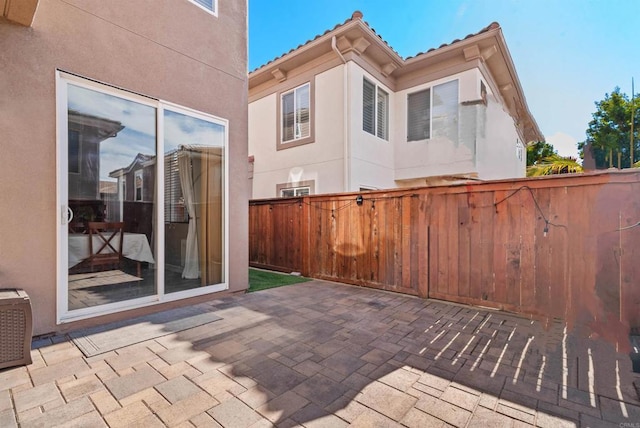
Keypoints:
pixel 568 53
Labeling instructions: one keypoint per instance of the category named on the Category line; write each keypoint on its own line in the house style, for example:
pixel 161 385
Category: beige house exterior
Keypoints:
pixel 344 112
pixel 87 86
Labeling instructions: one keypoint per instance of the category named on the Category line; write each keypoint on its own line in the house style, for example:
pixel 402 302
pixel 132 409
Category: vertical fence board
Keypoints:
pixel 476 247
pixel 513 251
pixel 452 228
pixel 501 241
pixel 527 278
pixel 464 246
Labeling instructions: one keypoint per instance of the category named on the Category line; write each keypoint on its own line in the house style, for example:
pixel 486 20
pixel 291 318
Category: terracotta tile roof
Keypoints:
pixel 493 26
pixel 310 40
pixel 357 15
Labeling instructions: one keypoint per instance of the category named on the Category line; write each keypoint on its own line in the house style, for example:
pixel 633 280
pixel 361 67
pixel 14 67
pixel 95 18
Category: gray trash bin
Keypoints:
pixel 16 327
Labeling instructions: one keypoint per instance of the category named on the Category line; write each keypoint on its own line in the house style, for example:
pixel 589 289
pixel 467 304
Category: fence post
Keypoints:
pixel 304 224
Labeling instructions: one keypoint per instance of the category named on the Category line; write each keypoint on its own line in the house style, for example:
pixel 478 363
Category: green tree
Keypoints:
pixel 554 164
pixel 609 132
pixel 538 151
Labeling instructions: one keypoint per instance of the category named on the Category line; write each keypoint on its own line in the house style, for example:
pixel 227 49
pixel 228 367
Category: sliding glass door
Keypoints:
pixel 136 231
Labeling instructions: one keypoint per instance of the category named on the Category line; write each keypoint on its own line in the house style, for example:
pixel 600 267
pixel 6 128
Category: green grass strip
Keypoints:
pixel 262 280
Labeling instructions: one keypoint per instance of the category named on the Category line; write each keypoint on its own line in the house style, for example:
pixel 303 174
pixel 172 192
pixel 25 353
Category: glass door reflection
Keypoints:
pixel 111 152
pixel 194 202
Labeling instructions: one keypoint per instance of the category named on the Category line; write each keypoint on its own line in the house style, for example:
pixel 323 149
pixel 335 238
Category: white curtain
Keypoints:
pixel 191 263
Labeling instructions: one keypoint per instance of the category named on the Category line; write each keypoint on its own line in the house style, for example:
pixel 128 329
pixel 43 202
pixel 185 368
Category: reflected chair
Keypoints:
pixel 105 244
pixel 77 227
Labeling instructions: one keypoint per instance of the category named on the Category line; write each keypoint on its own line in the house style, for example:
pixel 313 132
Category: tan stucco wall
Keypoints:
pixel 321 161
pixel 126 44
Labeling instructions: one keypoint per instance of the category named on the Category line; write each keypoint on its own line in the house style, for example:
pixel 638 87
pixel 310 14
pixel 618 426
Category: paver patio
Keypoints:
pixel 324 354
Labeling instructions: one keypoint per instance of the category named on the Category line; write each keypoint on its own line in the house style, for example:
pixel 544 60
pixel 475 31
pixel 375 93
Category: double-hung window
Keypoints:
pixel 375 110
pixel 433 113
pixel 295 118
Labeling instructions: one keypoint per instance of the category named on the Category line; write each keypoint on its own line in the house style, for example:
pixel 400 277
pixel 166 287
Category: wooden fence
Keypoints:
pixel 563 246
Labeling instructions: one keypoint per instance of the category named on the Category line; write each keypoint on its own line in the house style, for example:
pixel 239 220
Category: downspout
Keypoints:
pixel 346 118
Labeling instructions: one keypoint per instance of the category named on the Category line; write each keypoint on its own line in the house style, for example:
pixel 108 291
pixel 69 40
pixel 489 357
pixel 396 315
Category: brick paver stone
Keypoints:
pixel 369 418
pixel 81 387
pixel 8 419
pixel 449 413
pixel 127 415
pixel 123 386
pixel 400 379
pixel 57 371
pixel 186 409
pixel 321 390
pixel 418 419
pixel 282 406
pixel 60 415
pixel 234 413
pixel 37 396
pixel 386 400
pixel 177 389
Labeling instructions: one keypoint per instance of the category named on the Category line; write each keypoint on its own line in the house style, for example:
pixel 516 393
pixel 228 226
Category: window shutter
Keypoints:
pixel 368 103
pixel 445 111
pixel 382 123
pixel 418 115
pixel 302 112
pixel 174 211
pixel 287 117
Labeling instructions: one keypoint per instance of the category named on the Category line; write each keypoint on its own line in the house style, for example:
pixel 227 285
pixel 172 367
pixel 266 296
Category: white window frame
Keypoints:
pixel 63 314
pixel 296 191
pixel 214 7
pixel 377 89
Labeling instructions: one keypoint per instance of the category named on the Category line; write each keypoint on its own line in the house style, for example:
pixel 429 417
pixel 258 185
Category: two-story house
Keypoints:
pixel 344 112
pixel 104 105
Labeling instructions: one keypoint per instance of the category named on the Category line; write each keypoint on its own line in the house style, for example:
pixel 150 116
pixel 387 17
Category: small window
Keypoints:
pixel 295 107
pixel 210 6
pixel 295 191
pixel 299 188
pixel 433 113
pixel 375 110
pixel 138 184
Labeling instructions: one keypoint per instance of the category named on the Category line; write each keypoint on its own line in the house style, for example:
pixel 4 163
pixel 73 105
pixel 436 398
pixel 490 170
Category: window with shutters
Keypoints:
pixel 375 110
pixel 210 6
pixel 433 113
pixel 295 116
